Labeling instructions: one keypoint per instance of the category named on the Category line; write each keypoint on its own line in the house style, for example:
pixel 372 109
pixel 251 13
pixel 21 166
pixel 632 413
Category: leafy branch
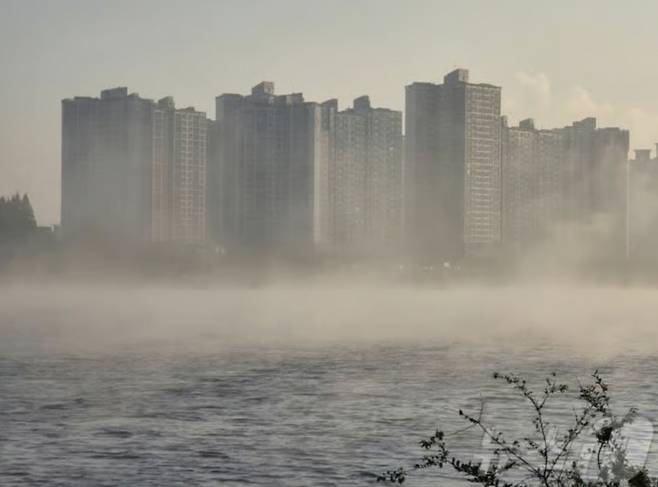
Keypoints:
pixel 540 459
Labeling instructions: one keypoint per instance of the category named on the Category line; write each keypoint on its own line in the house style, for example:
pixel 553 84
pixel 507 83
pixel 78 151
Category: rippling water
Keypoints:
pixel 207 414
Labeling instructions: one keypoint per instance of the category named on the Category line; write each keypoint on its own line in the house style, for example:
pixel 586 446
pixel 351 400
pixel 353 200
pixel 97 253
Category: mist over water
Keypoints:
pixel 303 382
pixel 83 316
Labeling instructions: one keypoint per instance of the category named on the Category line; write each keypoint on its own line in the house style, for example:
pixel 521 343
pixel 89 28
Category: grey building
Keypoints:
pixel 566 185
pixel 643 207
pixel 595 169
pixel 80 118
pixel 107 158
pixel 594 183
pixel 531 164
pixel 366 180
pixel 453 167
pixel 130 167
pixel 268 184
pixel 348 172
pixel 180 160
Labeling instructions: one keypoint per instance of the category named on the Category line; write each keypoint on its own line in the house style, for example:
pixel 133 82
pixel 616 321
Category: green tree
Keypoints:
pixel 17 222
pixel 28 214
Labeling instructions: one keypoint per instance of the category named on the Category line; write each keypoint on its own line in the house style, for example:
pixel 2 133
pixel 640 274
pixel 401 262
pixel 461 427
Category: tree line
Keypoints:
pixel 17 222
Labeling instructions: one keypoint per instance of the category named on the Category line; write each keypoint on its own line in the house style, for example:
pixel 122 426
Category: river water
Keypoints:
pixel 116 387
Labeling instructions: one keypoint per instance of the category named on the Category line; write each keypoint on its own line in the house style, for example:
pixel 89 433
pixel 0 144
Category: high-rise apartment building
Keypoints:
pixel 594 183
pixel 348 174
pixel 188 176
pixel 643 207
pixel 269 180
pixel 79 128
pixel 453 167
pixel 565 184
pixel 595 169
pixel 423 227
pixel 107 162
pixel 132 170
pixel 531 164
pixel 366 180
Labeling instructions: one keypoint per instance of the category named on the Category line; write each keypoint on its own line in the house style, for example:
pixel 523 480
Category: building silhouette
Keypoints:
pixel 594 185
pixel 453 168
pixel 595 169
pixel 531 163
pixel 107 154
pixel 277 173
pixel 268 183
pixel 565 185
pixel 643 207
pixel 366 180
pixel 179 173
pixel 132 170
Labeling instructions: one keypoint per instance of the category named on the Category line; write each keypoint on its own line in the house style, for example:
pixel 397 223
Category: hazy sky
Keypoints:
pixel 557 61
